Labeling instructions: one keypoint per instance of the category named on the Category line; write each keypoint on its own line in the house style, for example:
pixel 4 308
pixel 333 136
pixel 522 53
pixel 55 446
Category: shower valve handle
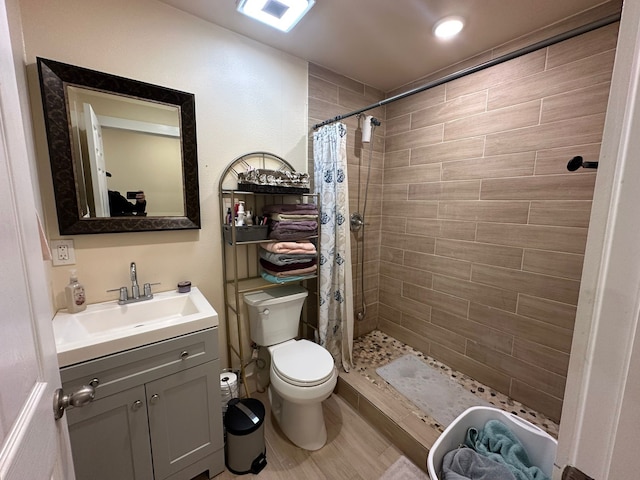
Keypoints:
pixel 356 221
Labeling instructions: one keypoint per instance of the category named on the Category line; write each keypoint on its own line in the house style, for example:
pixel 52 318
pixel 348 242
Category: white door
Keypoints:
pixel 96 161
pixel 32 444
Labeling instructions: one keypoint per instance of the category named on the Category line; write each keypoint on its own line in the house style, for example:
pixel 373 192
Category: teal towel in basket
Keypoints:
pixel 498 442
pixel 467 464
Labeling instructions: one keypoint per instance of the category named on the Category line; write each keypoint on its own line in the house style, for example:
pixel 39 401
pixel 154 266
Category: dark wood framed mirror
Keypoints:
pixel 84 108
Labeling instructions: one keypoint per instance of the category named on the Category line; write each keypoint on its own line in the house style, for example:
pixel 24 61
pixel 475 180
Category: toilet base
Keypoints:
pixel 303 424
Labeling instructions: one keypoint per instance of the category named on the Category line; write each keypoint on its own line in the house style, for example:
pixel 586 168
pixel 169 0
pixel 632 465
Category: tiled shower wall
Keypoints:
pixel 482 228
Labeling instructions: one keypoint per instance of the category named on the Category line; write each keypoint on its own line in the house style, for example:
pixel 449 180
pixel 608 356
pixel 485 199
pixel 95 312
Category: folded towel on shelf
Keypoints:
pixel 290 230
pixel 289 236
pixel 497 442
pixel 292 216
pixel 292 273
pixel 295 225
pixel 299 208
pixel 304 246
pixel 273 279
pixel 285 268
pixel 467 464
pixel 286 258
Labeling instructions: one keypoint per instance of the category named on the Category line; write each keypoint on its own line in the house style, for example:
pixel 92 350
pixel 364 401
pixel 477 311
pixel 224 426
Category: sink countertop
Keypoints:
pixel 106 328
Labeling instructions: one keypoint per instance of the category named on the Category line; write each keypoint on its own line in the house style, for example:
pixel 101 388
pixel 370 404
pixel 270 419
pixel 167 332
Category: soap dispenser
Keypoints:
pixel 74 293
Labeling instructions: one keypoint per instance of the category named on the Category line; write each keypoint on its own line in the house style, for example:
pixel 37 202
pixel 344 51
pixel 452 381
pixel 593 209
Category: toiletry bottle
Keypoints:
pixel 74 293
pixel 229 218
pixel 241 216
pixel 248 219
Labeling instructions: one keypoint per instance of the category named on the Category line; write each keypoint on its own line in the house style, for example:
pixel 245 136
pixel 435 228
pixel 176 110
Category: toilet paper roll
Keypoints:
pixel 228 388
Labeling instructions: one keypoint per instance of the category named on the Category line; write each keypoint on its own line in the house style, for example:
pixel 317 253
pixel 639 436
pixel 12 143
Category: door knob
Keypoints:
pixel 79 398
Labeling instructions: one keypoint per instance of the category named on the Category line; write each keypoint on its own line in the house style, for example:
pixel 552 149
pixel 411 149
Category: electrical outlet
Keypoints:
pixel 62 252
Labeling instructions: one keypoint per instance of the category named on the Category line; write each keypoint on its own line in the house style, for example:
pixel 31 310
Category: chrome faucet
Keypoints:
pixel 135 288
pixel 124 297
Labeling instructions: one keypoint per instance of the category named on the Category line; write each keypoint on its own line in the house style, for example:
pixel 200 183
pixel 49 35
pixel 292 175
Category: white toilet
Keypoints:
pixel 302 373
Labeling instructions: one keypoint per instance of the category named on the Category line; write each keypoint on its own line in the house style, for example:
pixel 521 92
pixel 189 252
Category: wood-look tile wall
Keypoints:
pixel 477 231
pixel 492 285
pixel 331 94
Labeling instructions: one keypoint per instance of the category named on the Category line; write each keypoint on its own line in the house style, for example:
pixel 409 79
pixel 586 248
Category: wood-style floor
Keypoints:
pixel 354 450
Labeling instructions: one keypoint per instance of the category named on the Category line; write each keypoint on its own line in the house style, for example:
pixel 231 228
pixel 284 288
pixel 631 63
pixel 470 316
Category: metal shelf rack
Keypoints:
pixel 240 258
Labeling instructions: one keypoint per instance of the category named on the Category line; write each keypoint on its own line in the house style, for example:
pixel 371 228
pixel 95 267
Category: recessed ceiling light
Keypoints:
pixel 448 27
pixel 280 14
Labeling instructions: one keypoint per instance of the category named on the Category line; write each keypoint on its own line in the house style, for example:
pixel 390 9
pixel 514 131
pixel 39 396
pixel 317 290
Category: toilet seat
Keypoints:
pixel 302 363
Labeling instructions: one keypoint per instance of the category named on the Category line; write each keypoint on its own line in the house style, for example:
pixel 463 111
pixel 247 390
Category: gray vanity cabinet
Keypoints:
pixel 156 413
pixel 180 407
pixel 110 437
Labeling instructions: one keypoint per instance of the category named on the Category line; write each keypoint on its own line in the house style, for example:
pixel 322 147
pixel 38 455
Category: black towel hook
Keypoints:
pixel 576 162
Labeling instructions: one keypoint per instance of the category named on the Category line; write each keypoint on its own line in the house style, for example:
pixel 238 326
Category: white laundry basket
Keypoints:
pixel 540 446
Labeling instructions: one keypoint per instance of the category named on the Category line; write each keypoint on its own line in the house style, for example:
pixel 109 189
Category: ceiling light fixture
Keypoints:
pixel 280 14
pixel 448 27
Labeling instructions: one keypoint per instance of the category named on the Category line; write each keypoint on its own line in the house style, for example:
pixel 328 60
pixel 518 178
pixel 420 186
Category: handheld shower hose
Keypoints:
pixel 358 219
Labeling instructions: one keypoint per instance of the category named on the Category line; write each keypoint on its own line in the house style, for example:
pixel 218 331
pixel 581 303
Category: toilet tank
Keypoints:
pixel 274 314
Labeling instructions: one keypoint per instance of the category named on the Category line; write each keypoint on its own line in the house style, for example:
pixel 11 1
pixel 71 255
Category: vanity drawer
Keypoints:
pixel 128 369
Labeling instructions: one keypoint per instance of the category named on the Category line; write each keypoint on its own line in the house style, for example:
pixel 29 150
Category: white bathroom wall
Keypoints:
pixel 248 97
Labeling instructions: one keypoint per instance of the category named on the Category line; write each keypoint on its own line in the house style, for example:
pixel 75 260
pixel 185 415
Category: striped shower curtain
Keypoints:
pixel 335 290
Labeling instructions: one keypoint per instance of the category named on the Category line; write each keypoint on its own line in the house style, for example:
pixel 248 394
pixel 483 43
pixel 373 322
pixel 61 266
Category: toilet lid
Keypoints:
pixel 302 363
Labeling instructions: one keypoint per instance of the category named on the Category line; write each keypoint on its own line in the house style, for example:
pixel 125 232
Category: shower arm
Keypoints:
pixel 577 162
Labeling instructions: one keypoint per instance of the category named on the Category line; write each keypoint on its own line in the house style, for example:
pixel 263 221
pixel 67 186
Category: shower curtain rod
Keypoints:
pixel 490 63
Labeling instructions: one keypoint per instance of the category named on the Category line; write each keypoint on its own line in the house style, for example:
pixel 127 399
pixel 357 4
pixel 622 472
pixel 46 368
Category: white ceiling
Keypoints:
pixel 388 43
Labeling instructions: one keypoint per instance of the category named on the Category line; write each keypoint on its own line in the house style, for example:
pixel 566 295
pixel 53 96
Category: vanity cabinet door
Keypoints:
pixel 110 438
pixel 185 418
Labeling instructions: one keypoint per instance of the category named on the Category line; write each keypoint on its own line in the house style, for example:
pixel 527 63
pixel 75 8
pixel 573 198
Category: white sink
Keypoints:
pixel 105 328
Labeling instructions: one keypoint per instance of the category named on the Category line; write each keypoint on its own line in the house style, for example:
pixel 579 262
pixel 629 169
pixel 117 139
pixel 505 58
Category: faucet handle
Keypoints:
pixel 124 294
pixel 147 289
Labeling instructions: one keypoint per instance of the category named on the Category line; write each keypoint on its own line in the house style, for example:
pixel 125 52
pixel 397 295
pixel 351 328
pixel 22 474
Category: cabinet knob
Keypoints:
pixel 154 398
pixel 136 405
pixel 94 383
pixel 184 354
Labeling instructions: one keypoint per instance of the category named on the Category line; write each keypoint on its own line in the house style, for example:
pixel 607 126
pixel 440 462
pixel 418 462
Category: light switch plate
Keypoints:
pixel 62 252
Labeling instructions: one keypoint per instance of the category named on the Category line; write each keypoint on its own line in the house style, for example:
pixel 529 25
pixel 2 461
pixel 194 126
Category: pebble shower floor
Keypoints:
pixel 376 349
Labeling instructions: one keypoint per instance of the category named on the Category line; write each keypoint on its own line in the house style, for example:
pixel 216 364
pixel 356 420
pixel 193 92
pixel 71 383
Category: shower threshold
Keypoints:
pixel 410 429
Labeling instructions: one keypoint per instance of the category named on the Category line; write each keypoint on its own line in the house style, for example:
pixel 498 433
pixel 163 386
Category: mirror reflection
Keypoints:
pixel 123 152
pixel 129 155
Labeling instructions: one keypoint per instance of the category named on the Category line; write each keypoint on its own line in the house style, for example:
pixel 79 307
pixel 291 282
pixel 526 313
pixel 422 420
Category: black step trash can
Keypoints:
pixel 244 423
